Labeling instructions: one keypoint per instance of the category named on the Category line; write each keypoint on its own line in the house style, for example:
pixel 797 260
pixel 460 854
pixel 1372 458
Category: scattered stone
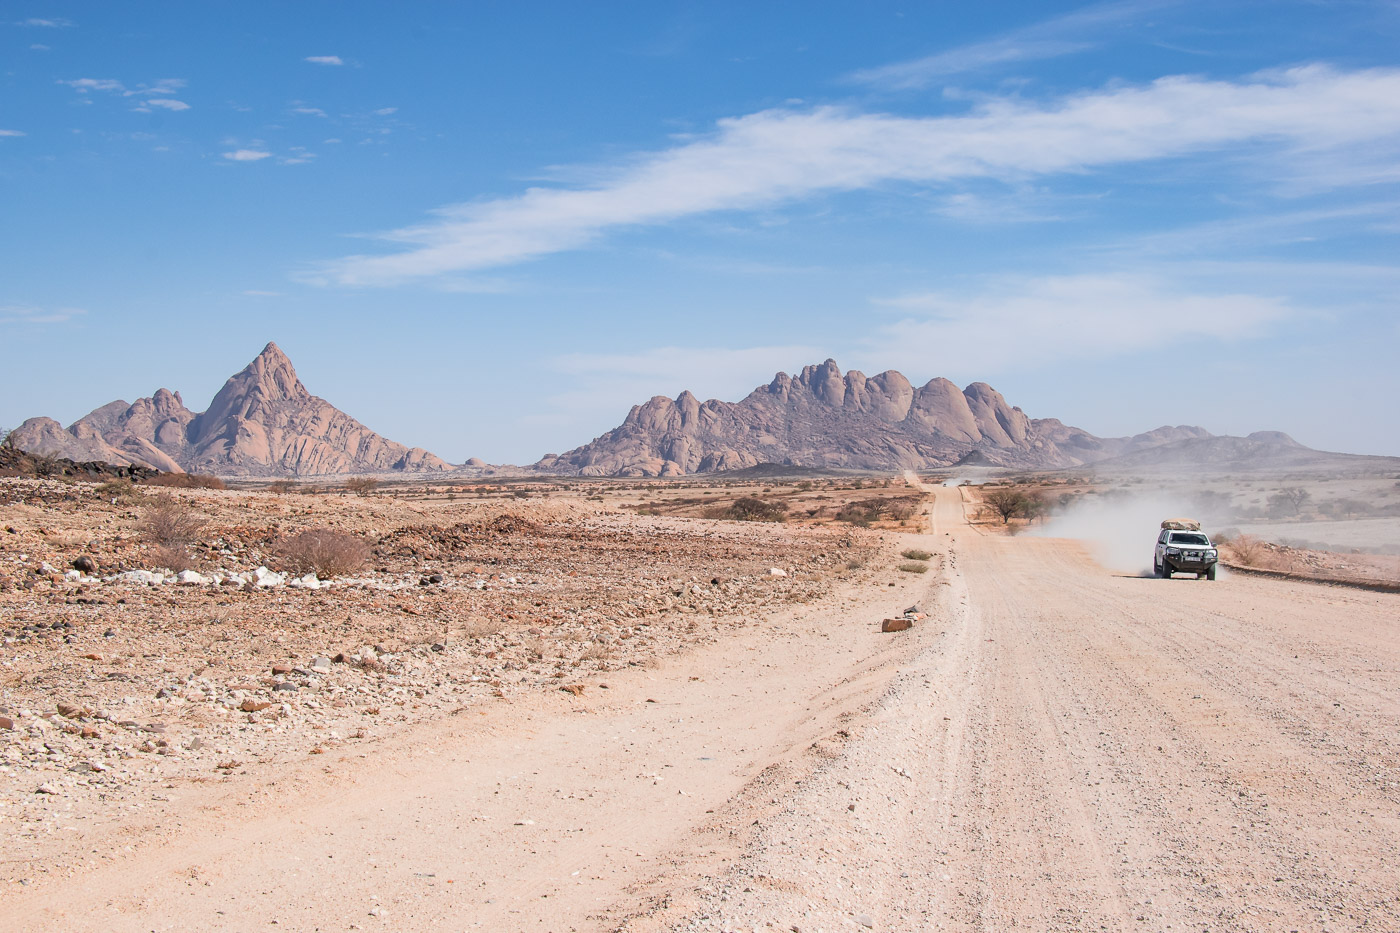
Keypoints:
pixel 777 572
pixel 47 788
pixel 896 625
pixel 251 705
pixel 85 565
pixel 71 711
pixel 282 667
pixel 438 646
pixel 265 578
pixel 321 664
pixel 575 689
pixel 6 723
pixel 285 687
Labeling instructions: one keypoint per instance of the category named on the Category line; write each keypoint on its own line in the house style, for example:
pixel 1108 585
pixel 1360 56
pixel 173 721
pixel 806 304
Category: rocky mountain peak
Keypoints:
pixel 263 421
pixel 272 376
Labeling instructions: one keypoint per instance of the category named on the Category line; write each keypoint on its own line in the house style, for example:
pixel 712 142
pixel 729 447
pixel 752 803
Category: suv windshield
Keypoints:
pixel 1178 538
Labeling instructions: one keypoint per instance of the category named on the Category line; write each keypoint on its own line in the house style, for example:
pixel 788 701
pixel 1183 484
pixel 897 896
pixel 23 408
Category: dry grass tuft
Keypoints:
pixel 323 551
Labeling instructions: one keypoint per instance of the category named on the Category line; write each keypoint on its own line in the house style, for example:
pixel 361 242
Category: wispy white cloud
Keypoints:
pixel 163 86
pixel 298 155
pixel 40 47
pixel 1050 320
pixel 386 111
pixel 54 23
pixel 152 95
pixel 778 156
pixel 1062 35
pixel 84 85
pixel 247 155
pixel 29 314
pixel 13 133
pixel 325 59
pixel 309 111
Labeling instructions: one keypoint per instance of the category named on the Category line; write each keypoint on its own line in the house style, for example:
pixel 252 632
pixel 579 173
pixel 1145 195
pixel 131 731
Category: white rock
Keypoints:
pixel 308 582
pixel 191 578
pixel 73 576
pixel 776 572
pixel 264 577
pixel 144 577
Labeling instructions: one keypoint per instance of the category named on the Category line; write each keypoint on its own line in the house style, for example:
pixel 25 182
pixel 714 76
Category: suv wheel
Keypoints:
pixel 1210 574
pixel 1165 571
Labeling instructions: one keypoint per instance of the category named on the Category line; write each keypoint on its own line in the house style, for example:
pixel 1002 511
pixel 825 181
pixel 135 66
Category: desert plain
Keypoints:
pixel 578 705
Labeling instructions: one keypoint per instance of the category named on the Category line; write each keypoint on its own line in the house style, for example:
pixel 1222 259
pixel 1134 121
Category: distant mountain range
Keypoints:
pixel 263 422
pixel 820 418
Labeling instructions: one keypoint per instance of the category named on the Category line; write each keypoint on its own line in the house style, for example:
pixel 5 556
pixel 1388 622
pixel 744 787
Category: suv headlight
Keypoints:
pixel 1211 554
pixel 1174 551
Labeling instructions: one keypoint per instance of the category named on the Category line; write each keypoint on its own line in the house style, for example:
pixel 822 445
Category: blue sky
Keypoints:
pixel 488 229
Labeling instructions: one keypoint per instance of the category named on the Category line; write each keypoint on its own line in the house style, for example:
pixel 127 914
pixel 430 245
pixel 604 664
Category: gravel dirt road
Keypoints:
pixel 1057 747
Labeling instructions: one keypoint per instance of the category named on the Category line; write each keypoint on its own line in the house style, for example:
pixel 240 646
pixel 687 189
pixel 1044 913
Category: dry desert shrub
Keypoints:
pixel 904 508
pixel 119 488
pixel 914 567
pixel 322 551
pixel 915 554
pixel 1246 550
pixel 186 481
pixel 170 525
pixel 172 557
pixel 750 509
pixel 480 627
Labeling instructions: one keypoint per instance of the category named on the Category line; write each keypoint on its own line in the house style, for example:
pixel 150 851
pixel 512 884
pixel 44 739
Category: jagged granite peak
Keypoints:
pixel 822 418
pixel 262 422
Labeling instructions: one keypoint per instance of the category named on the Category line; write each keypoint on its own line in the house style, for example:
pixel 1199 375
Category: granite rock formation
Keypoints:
pixel 263 422
pixel 821 418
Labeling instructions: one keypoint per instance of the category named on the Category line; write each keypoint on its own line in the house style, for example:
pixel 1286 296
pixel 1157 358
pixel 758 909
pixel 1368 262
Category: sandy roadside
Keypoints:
pixel 539 813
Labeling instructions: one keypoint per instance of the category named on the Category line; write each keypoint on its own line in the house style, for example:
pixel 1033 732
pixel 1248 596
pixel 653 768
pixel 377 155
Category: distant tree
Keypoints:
pixel 1006 502
pixel 361 485
pixel 1297 497
pixel 7 438
pixel 1289 501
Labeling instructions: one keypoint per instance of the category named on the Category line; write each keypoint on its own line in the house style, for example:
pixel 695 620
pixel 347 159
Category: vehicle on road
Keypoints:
pixel 1182 547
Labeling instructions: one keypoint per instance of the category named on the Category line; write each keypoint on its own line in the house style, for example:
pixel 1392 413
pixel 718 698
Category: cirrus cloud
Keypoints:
pixel 30 314
pixel 247 155
pixel 324 59
pixel 1020 322
pixel 1314 113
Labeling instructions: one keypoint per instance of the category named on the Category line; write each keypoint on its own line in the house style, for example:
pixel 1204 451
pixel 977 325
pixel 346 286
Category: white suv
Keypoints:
pixel 1182 548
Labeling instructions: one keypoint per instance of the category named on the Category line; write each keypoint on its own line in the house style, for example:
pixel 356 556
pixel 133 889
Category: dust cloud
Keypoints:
pixel 1120 529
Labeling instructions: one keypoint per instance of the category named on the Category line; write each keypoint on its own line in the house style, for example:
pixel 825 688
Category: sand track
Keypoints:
pixel 1056 748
